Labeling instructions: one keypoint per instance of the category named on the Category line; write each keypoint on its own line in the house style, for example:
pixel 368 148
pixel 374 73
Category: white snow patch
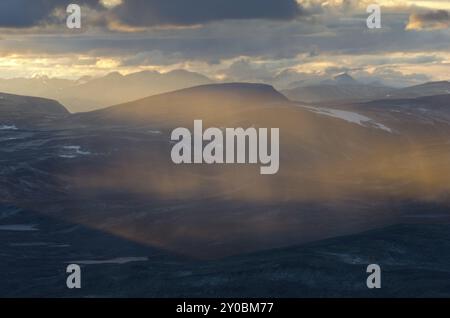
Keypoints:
pixel 8 127
pixel 119 260
pixel 346 258
pixel 71 152
pixel 9 138
pixel 351 117
pixel 77 150
pixel 18 227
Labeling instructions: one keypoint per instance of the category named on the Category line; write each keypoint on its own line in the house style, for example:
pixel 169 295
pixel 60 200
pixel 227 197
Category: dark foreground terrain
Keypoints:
pixel 358 184
pixel 34 257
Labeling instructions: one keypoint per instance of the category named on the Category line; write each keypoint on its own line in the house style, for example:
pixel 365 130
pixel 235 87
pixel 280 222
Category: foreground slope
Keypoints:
pixel 27 111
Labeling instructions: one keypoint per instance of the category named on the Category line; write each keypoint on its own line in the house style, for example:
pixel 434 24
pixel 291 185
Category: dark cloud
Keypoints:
pixel 439 19
pixel 225 40
pixel 184 13
pixel 147 13
pixel 435 16
pixel 29 13
pixel 23 13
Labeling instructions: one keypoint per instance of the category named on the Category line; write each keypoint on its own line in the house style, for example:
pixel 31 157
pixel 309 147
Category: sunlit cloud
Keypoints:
pixel 431 4
pixel 362 4
pixel 110 3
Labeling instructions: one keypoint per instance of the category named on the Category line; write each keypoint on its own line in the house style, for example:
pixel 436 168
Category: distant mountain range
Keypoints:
pixel 427 89
pixel 344 88
pixel 88 93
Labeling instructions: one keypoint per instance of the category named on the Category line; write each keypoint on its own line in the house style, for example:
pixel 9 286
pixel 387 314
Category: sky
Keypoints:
pixel 239 40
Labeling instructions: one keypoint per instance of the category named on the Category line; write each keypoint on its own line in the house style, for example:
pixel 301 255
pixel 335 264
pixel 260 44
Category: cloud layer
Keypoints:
pixel 27 13
pixel 182 12
pixel 431 20
pixel 250 40
pixel 30 13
